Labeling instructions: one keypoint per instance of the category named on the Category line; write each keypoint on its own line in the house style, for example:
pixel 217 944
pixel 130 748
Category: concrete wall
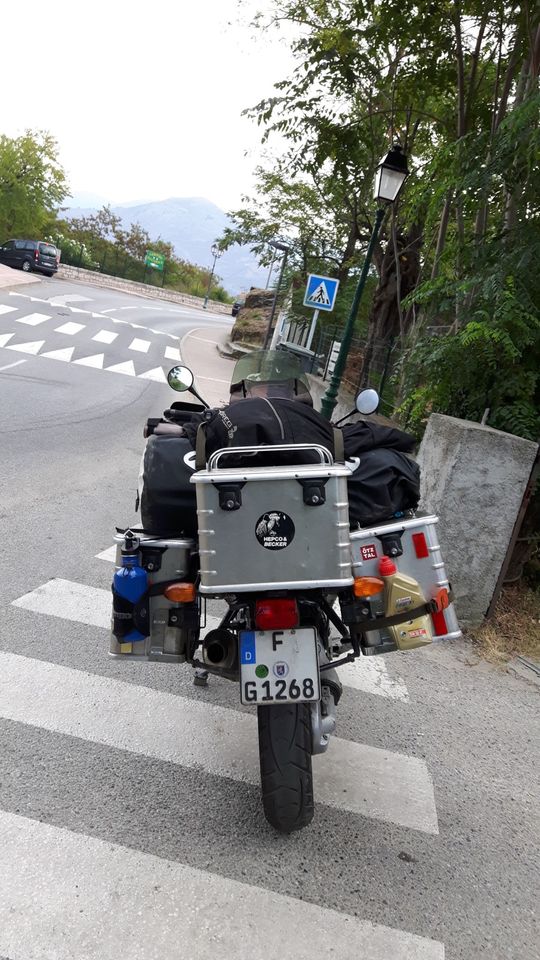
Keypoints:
pixel 474 479
pixel 66 272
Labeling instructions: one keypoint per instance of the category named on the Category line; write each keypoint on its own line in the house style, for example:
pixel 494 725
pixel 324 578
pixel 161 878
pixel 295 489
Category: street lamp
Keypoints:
pixel 390 176
pixel 285 248
pixel 216 252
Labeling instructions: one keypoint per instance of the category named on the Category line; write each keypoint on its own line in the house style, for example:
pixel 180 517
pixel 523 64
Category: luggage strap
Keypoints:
pixel 200 447
pixel 441 601
pixel 339 446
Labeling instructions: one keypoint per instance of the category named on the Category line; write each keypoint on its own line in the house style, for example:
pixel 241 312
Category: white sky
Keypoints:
pixel 144 98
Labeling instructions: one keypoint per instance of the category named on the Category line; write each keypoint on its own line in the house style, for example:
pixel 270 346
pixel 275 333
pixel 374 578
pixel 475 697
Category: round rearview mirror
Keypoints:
pixel 180 378
pixel 367 401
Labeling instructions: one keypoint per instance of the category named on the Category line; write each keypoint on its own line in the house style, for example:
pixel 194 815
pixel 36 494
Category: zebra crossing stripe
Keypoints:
pixel 65 894
pixel 356 777
pixel 91 605
pixel 5 309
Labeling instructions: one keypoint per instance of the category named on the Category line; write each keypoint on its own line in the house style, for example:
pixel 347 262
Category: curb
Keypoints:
pixel 231 351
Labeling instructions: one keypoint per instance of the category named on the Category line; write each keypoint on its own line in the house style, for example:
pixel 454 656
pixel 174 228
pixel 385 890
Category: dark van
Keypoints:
pixel 30 255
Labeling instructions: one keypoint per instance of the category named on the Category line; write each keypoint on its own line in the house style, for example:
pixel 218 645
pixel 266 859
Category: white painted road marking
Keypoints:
pixel 105 336
pixel 91 605
pixel 8 366
pixel 33 319
pixel 70 328
pixel 5 338
pixel 66 298
pixel 142 346
pixel 95 361
pixel 351 776
pixel 5 309
pixel 126 367
pixel 65 895
pixel 370 675
pixel 155 374
pixel 34 347
pixel 108 554
pixel 172 353
pixel 70 601
pixel 65 354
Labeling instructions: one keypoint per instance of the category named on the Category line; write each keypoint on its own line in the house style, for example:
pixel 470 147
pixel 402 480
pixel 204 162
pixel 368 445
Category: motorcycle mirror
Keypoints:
pixel 180 379
pixel 367 401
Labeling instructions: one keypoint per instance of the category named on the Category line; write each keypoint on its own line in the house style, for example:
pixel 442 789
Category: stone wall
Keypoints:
pixel 66 272
pixel 474 479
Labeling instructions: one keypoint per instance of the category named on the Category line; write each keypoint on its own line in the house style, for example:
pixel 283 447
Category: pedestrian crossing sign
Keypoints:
pixel 321 292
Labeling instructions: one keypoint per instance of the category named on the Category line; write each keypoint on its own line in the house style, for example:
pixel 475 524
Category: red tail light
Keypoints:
pixel 276 614
pixel 36 254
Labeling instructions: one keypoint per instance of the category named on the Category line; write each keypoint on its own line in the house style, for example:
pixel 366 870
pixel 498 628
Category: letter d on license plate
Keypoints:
pixel 279 666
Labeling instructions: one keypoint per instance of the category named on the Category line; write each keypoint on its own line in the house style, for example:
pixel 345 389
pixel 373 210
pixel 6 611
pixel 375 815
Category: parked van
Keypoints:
pixel 31 255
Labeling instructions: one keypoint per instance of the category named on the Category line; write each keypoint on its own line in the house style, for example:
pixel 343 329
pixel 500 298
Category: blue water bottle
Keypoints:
pixel 130 584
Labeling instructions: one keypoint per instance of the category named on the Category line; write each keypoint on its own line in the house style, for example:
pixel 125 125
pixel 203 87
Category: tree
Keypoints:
pixel 32 184
pixel 457 83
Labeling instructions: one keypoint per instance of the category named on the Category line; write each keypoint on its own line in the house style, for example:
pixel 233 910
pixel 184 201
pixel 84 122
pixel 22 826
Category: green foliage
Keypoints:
pixel 492 363
pixel 32 184
pixel 98 242
pixel 459 85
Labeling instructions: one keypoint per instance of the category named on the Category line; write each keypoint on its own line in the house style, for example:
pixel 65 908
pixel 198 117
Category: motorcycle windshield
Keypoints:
pixel 270 367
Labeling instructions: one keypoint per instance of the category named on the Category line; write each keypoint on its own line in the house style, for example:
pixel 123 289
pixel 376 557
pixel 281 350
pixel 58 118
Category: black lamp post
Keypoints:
pixel 389 179
pixel 285 248
pixel 216 252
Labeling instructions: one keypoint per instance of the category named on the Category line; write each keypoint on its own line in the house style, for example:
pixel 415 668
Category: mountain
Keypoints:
pixel 191 224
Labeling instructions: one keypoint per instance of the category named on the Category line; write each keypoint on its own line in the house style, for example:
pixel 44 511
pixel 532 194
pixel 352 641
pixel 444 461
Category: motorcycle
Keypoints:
pixel 304 594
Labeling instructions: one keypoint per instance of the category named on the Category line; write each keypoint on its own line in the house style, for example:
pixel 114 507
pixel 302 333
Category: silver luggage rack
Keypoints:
pixel 276 527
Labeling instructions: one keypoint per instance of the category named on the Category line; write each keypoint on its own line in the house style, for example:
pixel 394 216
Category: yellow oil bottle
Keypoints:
pixel 403 593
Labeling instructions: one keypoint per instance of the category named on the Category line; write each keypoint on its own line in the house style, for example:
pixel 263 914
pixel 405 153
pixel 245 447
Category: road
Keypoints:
pixel 121 831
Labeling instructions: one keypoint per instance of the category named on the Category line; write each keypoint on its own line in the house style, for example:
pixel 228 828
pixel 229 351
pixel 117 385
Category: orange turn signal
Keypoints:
pixel 367 586
pixel 180 592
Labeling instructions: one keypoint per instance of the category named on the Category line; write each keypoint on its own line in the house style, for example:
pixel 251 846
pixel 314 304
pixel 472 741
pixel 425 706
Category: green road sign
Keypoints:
pixel 155 260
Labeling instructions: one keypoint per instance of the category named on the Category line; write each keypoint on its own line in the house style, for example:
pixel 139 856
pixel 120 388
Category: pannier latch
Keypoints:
pixel 314 492
pixel 391 543
pixel 230 497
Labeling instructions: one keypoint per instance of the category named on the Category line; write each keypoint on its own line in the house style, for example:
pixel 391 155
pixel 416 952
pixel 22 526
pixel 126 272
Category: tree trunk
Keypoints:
pixel 384 318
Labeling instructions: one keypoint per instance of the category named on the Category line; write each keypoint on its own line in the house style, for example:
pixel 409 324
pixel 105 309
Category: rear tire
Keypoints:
pixel 26 266
pixel 285 758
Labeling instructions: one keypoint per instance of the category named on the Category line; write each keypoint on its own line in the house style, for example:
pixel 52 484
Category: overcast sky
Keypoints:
pixel 144 98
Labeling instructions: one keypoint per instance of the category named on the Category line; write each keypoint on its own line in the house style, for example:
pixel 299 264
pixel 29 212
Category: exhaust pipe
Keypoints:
pixel 220 649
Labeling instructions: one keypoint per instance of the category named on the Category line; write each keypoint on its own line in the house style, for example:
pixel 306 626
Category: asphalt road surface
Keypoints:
pixel 126 830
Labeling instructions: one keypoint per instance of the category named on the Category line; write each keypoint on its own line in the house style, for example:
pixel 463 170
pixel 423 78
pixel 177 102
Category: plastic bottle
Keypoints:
pixel 130 583
pixel 403 593
pixel 379 640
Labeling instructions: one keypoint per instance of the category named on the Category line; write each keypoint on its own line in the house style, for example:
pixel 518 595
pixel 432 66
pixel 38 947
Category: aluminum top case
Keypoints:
pixel 273 528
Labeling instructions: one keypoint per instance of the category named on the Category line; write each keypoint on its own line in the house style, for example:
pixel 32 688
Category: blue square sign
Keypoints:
pixel 321 292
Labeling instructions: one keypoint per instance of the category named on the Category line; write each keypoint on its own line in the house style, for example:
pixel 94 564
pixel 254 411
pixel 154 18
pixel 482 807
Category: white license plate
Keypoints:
pixel 279 666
